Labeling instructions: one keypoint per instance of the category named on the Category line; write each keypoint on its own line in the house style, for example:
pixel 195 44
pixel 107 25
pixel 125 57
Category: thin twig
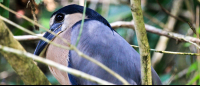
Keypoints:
pixel 191 26
pixel 33 12
pixel 56 65
pixel 158 31
pixel 189 6
pixel 154 20
pixel 149 28
pixel 32 37
pixel 28 37
pixel 170 52
pixel 82 23
pixel 187 41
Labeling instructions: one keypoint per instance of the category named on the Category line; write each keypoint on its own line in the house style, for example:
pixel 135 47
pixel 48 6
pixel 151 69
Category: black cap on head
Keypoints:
pixel 70 9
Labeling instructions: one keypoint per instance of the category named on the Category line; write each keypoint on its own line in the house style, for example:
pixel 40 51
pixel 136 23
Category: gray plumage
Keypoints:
pixel 108 47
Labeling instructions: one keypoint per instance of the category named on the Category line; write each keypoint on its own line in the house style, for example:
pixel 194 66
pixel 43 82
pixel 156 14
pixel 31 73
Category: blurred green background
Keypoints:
pixel 116 10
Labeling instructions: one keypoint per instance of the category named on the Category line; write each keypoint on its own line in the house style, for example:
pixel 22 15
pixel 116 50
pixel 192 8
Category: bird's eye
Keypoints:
pixel 59 17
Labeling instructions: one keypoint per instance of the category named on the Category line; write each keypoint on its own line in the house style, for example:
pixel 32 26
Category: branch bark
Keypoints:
pixel 24 67
pixel 142 41
pixel 157 31
pixel 75 72
pixel 170 52
pixel 28 37
pixel 123 24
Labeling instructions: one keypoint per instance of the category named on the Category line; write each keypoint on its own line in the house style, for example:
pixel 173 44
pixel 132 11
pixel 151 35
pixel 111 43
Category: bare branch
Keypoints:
pixel 123 24
pixel 33 13
pixel 56 65
pixel 191 26
pixel 28 37
pixel 24 67
pixel 170 52
pixel 142 41
pixel 32 37
pixel 152 29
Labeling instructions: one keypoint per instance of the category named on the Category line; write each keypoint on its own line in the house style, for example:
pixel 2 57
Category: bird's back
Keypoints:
pixel 105 45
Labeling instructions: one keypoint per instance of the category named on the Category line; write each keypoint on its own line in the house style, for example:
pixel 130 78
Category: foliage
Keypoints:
pixel 4 12
pixel 38 1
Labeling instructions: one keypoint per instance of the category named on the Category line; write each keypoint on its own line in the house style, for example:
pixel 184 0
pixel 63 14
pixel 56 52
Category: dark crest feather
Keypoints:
pixel 70 9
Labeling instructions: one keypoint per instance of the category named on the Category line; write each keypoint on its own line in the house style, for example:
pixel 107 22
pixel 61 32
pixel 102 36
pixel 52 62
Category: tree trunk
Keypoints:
pixel 24 67
pixel 142 42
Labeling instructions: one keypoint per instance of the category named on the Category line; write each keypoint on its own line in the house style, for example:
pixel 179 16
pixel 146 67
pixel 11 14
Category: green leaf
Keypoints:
pixel 192 68
pixel 165 77
pixel 38 1
pixel 193 80
pixel 186 44
pixel 4 12
pixel 118 13
pixel 1 1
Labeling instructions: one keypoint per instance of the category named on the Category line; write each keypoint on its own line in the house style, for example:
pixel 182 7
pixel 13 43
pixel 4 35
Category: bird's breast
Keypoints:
pixel 59 55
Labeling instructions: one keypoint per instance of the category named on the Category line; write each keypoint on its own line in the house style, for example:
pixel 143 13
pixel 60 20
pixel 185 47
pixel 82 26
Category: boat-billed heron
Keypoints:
pixel 98 40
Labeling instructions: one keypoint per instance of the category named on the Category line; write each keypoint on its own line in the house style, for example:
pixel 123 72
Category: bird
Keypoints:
pixel 98 40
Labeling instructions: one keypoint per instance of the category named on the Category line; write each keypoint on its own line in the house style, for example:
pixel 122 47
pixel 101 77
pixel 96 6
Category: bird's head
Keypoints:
pixel 64 19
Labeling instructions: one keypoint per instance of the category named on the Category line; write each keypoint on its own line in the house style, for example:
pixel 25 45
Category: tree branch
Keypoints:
pixel 32 37
pixel 158 31
pixel 170 52
pixel 25 68
pixel 142 41
pixel 166 11
pixel 54 64
pixel 28 37
pixel 123 24
pixel 33 13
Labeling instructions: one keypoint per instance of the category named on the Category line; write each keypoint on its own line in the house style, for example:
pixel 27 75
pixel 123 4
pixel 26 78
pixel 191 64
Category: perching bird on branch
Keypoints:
pixel 98 40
